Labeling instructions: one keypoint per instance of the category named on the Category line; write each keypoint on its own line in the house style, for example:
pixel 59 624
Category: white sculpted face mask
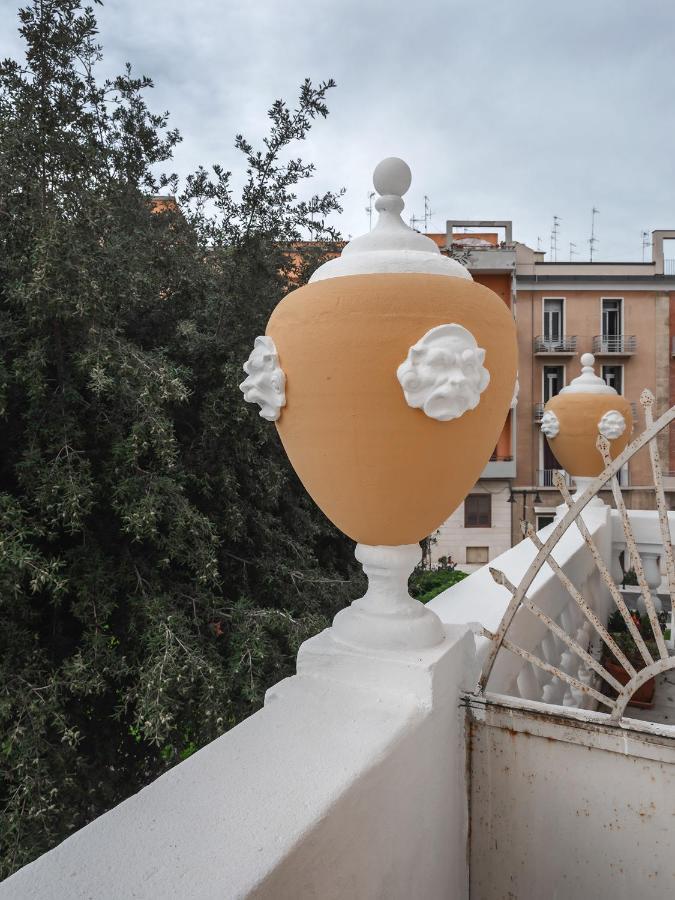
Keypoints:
pixel 612 425
pixel 443 373
pixel 266 382
pixel 550 424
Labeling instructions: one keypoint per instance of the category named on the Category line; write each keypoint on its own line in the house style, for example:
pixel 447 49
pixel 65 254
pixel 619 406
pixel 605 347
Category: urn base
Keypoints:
pixel 387 617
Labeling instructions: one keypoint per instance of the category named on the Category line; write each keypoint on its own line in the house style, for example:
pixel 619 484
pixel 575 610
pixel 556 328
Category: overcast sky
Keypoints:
pixel 520 110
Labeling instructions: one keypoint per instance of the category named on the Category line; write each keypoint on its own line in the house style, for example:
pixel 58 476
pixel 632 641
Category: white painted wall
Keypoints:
pixel 452 538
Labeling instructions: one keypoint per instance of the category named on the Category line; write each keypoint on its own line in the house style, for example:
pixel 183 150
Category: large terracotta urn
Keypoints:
pixel 574 418
pixel 389 377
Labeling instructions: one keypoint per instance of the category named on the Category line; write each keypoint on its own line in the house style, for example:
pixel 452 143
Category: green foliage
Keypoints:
pixel 626 642
pixel 630 577
pixel 159 561
pixel 424 585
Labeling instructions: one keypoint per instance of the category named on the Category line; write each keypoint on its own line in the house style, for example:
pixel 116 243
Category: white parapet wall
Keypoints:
pixel 349 783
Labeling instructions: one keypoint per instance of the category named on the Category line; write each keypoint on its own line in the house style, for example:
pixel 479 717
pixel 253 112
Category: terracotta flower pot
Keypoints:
pixel 643 698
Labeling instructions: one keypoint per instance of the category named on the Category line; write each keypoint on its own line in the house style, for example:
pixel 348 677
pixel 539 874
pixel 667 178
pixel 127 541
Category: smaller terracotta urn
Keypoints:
pixel 574 418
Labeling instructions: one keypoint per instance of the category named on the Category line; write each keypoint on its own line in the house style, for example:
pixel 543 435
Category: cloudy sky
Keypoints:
pixel 520 110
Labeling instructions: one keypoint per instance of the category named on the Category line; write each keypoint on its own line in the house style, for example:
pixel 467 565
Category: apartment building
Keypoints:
pixel 624 313
pixel 481 528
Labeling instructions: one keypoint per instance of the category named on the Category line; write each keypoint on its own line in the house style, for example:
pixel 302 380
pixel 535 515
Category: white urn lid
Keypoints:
pixel 588 382
pixel 391 247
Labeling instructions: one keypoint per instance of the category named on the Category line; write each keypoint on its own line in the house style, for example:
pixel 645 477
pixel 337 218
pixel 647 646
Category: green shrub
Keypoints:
pixel 424 586
pixel 630 577
pixel 160 562
pixel 619 631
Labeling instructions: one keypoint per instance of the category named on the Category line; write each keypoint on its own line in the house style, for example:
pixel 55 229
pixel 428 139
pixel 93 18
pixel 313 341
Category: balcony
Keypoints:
pixel 545 477
pixel 565 345
pixel 614 345
pixel 500 467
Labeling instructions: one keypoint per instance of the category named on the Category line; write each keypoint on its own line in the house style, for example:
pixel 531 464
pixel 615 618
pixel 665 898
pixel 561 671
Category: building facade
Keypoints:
pixel 623 313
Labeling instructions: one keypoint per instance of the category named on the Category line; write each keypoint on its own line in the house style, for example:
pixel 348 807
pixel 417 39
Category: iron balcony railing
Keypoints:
pixel 669 266
pixel 620 344
pixel 546 477
pixel 634 410
pixel 565 343
pixel 538 412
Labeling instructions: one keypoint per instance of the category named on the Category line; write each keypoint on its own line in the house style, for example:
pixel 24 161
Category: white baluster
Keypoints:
pixel 528 685
pixel 651 562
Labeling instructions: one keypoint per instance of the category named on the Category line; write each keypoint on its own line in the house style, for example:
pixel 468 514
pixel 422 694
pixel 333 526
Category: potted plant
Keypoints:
pixel 643 698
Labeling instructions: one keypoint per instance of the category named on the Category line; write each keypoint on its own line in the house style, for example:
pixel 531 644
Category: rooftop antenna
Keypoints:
pixel 426 218
pixel 538 244
pixel 427 213
pixel 554 238
pixel 573 250
pixel 645 243
pixel 592 241
pixel 369 209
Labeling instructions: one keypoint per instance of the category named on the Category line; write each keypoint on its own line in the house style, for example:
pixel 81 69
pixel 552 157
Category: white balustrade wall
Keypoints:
pixel 479 600
pixel 351 781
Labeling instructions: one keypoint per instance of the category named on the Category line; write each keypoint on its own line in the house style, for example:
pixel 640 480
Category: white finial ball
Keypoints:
pixel 588 359
pixel 392 176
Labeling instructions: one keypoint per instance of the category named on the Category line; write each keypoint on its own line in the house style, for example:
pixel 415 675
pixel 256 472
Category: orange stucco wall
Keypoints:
pixel 582 318
pixel 500 283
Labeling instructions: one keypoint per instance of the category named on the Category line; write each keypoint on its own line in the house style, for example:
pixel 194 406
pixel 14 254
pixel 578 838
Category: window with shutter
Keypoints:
pixel 478 511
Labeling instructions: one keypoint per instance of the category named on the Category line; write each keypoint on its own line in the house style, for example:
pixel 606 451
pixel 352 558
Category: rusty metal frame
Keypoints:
pixel 519 597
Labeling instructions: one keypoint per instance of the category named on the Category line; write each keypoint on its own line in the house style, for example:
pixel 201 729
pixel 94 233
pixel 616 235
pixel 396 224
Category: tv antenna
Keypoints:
pixel 538 244
pixel 645 243
pixel 573 250
pixel 592 241
pixel 369 209
pixel 554 238
pixel 426 218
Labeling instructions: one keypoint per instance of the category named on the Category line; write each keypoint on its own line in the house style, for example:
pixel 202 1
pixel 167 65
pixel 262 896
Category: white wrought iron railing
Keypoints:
pixel 618 343
pixel 591 677
pixel 564 343
pixel 547 477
